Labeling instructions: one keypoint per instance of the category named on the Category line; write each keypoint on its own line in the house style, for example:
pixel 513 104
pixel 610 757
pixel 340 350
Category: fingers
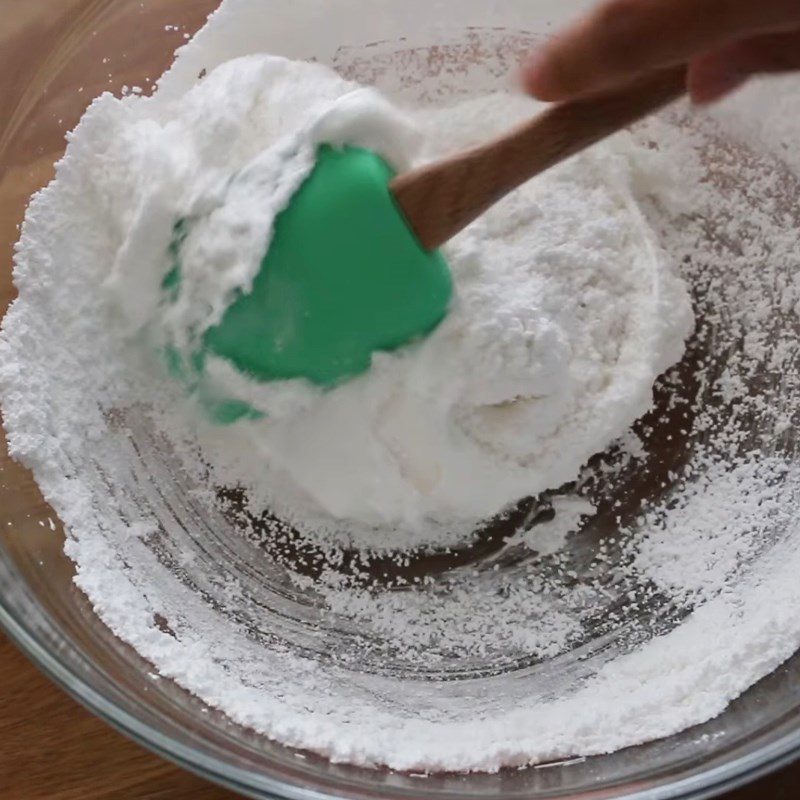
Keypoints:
pixel 715 74
pixel 621 38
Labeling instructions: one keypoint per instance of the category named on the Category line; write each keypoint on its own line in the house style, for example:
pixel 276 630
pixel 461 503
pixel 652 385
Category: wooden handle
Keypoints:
pixel 441 199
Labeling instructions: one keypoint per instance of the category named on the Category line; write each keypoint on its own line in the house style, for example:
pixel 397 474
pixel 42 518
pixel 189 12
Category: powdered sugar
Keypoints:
pixel 550 350
pixel 664 583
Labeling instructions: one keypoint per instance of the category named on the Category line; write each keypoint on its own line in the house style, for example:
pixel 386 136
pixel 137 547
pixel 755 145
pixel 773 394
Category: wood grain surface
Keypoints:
pixel 52 749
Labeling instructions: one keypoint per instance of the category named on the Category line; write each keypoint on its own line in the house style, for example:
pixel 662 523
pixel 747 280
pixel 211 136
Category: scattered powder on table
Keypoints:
pixel 287 571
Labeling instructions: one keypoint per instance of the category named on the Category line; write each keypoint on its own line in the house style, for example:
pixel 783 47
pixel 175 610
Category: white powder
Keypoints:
pixel 558 330
pixel 664 583
pixel 549 537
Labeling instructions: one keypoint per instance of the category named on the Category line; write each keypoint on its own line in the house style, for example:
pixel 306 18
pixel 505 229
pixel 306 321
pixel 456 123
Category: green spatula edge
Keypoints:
pixel 344 277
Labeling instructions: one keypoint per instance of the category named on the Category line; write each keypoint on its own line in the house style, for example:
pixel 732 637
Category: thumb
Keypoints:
pixel 716 74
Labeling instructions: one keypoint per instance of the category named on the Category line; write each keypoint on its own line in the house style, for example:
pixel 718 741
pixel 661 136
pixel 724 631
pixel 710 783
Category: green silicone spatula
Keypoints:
pixel 353 267
pixel 344 277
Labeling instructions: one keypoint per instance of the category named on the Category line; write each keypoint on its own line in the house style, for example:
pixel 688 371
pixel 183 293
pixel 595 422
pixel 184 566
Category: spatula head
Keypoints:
pixel 344 277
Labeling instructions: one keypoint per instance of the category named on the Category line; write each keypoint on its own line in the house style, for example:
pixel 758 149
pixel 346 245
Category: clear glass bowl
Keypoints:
pixel 58 54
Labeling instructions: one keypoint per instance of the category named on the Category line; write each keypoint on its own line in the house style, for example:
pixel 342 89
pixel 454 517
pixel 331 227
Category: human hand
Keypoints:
pixel 724 42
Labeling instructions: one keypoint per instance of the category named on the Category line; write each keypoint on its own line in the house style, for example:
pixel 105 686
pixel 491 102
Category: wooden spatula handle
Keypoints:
pixel 442 198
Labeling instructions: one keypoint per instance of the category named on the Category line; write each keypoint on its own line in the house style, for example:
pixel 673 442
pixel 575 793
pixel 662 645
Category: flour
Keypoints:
pixel 359 574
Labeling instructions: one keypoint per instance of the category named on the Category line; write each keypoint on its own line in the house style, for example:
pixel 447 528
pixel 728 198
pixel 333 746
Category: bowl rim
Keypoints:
pixel 726 777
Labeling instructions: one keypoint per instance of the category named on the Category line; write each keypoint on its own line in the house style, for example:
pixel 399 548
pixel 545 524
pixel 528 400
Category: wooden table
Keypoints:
pixel 52 749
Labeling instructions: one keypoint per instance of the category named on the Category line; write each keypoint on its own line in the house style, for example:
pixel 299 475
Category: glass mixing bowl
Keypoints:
pixel 58 54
